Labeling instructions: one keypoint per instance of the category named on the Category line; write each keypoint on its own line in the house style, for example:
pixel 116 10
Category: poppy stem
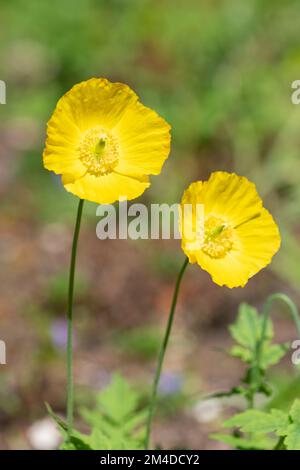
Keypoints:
pixel 70 387
pixel 161 355
pixel 265 317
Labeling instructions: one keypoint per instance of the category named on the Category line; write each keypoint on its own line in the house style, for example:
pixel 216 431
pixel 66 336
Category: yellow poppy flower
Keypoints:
pixel 104 142
pixel 226 230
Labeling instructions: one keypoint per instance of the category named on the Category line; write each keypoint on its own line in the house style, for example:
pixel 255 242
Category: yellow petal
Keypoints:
pixel 94 102
pixel 144 139
pixel 106 189
pixel 230 196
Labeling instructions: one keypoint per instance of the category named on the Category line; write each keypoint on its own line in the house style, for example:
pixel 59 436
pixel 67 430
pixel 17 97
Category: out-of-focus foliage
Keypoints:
pixel 116 423
pixel 142 342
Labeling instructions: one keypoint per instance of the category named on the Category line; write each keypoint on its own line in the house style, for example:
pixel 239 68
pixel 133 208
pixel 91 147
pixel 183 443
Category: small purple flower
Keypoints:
pixel 59 332
pixel 170 383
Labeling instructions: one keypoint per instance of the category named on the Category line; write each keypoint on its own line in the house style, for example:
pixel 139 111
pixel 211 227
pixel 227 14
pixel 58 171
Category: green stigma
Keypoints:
pixel 216 231
pixel 100 146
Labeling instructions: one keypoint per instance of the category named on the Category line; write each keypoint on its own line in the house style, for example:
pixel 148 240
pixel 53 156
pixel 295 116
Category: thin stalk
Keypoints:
pixel 266 312
pixel 70 386
pixel 162 352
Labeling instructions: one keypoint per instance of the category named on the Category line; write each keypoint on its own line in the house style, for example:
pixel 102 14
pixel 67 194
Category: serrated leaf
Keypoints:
pixel 92 417
pixel 98 441
pixel 116 423
pixel 292 440
pixel 246 331
pixel 259 421
pixel 135 421
pixel 255 421
pixel 118 400
pixel 241 353
pixel 250 421
pixel 281 421
pixel 257 442
pixel 272 353
pixel 295 411
pixel 247 328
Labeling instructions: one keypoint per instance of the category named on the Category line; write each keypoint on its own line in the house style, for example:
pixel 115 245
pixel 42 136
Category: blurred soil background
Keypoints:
pixel 220 72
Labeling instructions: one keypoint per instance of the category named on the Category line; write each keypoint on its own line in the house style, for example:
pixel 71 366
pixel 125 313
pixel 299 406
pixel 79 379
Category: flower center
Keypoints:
pixel 218 237
pixel 99 151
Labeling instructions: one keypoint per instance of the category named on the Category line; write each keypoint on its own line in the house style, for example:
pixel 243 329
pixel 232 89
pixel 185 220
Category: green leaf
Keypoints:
pixel 246 331
pixel 278 422
pixel 116 422
pixel 295 411
pixel 98 441
pixel 259 421
pixel 292 441
pixel 257 442
pixel 281 421
pixel 241 353
pixel 272 353
pixel 119 400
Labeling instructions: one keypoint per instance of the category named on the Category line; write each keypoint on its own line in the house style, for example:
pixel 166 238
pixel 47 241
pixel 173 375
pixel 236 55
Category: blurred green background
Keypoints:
pixel 220 72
